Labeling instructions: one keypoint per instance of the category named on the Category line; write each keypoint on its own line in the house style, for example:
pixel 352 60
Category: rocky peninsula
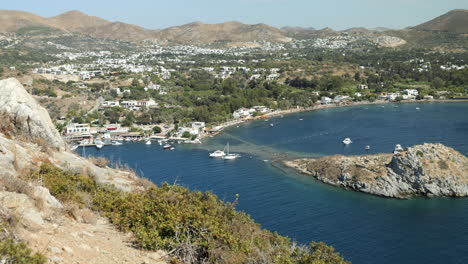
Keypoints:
pixel 422 170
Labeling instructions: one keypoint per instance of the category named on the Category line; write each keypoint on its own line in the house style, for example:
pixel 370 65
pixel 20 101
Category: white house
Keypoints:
pixel 199 126
pixel 362 86
pixel 110 104
pixel 341 98
pixel 77 129
pixel 413 92
pixel 138 104
pixel 273 76
pixel 242 113
pixel 326 100
pixel 261 109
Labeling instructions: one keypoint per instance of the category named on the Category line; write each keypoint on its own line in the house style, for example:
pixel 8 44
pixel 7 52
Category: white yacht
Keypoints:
pixel 99 144
pixel 230 156
pixel 116 143
pixel 148 142
pixel 347 141
pixel 217 154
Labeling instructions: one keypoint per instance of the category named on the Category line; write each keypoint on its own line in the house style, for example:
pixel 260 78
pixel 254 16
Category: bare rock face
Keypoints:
pixel 26 115
pixel 423 170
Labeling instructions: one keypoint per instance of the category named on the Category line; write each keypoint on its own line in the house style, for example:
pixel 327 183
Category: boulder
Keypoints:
pixel 28 117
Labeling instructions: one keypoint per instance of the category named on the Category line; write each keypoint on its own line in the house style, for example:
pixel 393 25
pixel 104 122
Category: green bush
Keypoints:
pixel 18 253
pixel 196 227
pixel 156 130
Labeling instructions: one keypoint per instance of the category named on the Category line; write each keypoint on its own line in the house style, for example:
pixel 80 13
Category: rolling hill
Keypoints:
pixel 455 21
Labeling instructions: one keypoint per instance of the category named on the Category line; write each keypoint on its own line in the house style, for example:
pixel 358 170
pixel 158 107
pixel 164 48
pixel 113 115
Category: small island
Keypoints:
pixel 423 170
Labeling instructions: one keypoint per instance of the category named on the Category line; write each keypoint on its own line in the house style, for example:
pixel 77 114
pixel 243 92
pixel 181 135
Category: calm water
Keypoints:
pixel 365 229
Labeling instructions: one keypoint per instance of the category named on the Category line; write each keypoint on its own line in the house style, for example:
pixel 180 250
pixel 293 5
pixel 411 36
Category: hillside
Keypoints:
pixel 455 21
pixel 11 21
pixel 200 33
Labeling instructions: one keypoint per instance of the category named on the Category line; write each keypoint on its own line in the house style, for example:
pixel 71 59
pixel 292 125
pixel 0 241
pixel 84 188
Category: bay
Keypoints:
pixel 364 228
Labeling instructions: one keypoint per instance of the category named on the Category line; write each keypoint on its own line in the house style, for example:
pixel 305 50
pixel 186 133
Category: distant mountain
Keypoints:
pixel 200 33
pixel 308 33
pixel 196 33
pixel 11 21
pixel 455 21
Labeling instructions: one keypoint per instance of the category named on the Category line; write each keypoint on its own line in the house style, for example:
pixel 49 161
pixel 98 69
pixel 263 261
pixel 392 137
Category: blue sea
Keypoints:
pixel 363 228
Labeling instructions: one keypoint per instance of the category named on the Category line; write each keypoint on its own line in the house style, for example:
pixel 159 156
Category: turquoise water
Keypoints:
pixel 364 228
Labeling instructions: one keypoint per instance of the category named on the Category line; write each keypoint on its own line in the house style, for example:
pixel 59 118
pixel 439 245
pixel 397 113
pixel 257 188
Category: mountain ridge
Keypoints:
pixel 75 21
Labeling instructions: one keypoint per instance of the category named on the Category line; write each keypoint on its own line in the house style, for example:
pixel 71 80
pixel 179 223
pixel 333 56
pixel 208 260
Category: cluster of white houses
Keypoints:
pixel 249 112
pixel 74 131
pixel 131 104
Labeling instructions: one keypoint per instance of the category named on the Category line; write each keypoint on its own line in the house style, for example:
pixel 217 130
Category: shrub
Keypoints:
pixel 156 130
pixel 196 227
pixel 18 253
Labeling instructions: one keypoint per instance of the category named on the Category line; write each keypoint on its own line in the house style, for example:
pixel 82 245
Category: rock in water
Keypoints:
pixel 422 170
pixel 27 116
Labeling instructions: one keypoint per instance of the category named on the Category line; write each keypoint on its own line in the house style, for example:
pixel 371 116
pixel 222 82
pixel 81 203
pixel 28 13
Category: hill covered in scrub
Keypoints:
pixel 57 207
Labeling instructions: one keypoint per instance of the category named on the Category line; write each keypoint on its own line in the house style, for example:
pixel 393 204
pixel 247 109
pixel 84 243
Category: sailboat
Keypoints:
pixel 230 156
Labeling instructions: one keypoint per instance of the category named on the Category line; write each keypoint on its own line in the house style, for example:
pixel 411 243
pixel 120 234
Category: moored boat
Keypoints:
pixel 230 156
pixel 167 146
pixel 347 141
pixel 217 154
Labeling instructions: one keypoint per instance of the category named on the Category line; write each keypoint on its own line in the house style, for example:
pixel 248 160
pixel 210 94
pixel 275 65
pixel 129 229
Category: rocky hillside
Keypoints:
pixel 455 21
pixel 422 170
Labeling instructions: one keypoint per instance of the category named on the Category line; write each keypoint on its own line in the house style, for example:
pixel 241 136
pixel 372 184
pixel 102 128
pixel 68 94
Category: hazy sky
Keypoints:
pixel 337 14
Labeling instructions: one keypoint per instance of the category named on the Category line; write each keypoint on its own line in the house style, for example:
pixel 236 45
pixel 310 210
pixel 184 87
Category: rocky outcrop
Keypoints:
pixel 422 170
pixel 26 116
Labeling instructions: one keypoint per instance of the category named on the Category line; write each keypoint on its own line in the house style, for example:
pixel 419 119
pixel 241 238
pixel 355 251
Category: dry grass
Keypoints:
pixel 6 124
pixel 80 215
pixel 99 161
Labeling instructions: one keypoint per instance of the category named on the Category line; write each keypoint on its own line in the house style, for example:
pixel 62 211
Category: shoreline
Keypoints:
pixel 320 107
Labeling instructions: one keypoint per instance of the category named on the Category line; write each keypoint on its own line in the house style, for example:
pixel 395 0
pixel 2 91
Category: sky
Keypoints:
pixel 337 14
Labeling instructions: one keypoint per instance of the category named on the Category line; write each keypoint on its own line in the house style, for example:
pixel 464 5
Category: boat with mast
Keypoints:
pixel 230 156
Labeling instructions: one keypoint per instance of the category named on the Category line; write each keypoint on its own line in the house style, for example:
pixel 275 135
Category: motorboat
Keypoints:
pixel 99 144
pixel 217 154
pixel 116 143
pixel 272 125
pixel 347 141
pixel 148 142
pixel 167 146
pixel 367 147
pixel 74 147
pixel 230 156
pixel 417 108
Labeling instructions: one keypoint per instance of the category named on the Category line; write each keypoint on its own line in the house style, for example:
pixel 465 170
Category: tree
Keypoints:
pixel 186 134
pixel 437 83
pixel 157 130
